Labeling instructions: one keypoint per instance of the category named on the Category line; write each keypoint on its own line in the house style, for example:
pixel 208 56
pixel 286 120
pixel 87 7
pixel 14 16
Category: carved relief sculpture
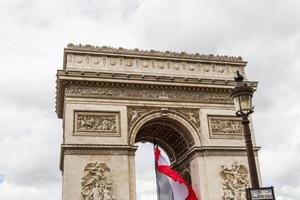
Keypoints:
pixel 192 115
pixel 96 123
pixel 224 126
pixel 235 181
pixel 148 94
pixel 134 113
pixel 96 183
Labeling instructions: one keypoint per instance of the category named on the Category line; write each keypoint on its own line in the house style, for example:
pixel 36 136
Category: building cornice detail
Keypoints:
pixel 139 52
pixel 156 66
pixel 156 79
pixel 131 91
pixel 216 151
pixel 92 149
pixel 103 85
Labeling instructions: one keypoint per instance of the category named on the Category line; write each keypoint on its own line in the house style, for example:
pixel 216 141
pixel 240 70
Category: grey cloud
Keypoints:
pixel 1 178
pixel 33 158
pixel 265 33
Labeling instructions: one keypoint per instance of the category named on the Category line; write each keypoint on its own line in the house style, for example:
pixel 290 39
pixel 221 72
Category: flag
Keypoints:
pixel 170 185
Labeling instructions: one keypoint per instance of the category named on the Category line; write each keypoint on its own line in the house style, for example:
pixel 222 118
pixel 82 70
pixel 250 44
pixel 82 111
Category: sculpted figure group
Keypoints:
pixel 96 183
pixel 226 126
pixel 96 123
pixel 235 182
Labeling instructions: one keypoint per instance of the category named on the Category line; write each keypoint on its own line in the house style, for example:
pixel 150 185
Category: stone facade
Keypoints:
pixel 110 99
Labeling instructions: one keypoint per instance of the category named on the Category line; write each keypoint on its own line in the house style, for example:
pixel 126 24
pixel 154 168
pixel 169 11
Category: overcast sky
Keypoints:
pixel 33 34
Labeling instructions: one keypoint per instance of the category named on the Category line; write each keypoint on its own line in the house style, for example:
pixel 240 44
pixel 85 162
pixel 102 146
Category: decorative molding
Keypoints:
pixel 148 94
pixel 225 127
pixel 130 77
pixel 138 52
pixel 190 114
pixel 95 123
pixel 235 180
pixel 94 149
pixel 150 66
pixel 170 134
pixel 130 87
pixel 96 183
pixel 205 151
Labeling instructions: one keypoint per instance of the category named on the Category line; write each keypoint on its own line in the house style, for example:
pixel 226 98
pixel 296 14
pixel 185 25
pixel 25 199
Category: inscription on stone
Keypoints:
pixel 225 126
pixel 96 123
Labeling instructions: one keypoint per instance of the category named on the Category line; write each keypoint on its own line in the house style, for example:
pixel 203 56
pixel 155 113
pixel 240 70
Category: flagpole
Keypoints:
pixel 155 167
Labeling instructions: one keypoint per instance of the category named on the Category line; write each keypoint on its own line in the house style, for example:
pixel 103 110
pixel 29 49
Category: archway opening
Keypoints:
pixel 145 171
pixel 169 134
pixel 173 139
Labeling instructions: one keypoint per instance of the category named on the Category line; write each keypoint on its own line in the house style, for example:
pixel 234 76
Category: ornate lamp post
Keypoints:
pixel 242 97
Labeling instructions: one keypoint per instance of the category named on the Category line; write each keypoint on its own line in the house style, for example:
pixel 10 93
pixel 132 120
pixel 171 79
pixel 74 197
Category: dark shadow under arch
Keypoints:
pixel 187 177
pixel 173 137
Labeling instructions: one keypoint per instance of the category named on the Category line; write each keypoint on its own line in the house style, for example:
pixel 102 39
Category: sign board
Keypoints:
pixel 266 193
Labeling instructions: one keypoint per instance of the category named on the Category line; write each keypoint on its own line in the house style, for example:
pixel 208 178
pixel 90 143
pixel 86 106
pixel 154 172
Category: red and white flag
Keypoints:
pixel 170 185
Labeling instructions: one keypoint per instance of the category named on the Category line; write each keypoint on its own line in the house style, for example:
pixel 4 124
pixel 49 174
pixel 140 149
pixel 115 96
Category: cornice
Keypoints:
pixel 205 151
pixel 123 52
pixel 148 79
pixel 138 83
pixel 94 149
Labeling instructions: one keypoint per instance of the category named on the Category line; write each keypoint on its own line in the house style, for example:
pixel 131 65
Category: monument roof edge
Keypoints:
pixel 153 53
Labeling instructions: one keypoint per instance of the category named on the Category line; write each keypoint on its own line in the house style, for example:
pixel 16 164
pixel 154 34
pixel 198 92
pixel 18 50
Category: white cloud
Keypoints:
pixel 13 191
pixel 34 33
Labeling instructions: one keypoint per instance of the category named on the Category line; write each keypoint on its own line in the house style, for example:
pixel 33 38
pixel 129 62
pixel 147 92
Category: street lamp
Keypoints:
pixel 242 97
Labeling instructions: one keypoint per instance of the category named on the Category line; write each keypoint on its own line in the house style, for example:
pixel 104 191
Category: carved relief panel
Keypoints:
pixel 191 114
pixel 96 182
pixel 147 94
pixel 235 180
pixel 225 127
pixel 96 123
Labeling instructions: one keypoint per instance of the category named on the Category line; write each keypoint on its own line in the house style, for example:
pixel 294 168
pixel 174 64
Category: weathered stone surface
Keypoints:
pixel 235 180
pixel 110 99
pixel 96 123
pixel 96 183
pixel 225 127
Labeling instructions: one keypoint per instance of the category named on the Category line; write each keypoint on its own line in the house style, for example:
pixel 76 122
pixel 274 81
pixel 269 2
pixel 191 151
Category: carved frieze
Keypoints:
pixel 225 127
pixel 190 69
pixel 235 180
pixel 96 123
pixel 147 94
pixel 96 182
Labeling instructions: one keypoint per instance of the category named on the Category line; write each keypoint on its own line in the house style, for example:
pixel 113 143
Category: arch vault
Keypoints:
pixel 109 99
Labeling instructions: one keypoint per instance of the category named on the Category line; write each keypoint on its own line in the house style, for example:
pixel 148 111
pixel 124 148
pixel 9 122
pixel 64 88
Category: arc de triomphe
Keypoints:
pixel 109 99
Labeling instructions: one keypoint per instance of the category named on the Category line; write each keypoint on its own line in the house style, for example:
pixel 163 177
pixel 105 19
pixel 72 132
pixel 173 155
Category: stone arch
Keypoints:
pixel 173 132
